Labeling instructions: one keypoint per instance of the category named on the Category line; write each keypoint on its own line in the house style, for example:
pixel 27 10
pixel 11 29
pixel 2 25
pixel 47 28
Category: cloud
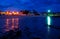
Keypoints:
pixel 39 5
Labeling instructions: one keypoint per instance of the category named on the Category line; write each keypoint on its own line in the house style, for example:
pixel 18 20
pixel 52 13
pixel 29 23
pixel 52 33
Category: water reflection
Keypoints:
pixel 48 28
pixel 12 24
pixel 32 27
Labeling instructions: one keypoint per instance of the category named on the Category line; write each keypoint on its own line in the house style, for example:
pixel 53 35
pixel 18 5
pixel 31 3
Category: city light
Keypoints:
pixel 14 13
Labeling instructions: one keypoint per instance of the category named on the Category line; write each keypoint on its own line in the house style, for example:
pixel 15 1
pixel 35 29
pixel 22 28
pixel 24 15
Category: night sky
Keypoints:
pixel 39 5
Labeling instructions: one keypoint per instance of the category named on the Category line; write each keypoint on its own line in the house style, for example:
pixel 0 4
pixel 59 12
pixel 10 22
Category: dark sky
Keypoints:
pixel 39 5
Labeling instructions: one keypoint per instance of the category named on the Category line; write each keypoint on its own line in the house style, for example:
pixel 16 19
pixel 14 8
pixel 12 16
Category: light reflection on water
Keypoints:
pixel 35 24
pixel 12 24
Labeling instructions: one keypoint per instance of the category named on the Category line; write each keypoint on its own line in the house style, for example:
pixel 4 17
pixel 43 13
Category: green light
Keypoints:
pixel 50 14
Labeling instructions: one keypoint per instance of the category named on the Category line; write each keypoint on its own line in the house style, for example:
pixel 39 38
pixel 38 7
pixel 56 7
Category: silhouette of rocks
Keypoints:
pixel 19 33
pixel 58 37
pixel 25 12
pixel 35 38
pixel 4 37
pixel 12 34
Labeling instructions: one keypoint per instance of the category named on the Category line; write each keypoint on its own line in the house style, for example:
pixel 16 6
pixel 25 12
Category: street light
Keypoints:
pixel 49 11
pixel 48 20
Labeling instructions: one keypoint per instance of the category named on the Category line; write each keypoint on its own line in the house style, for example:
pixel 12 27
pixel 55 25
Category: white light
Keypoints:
pixel 48 28
pixel 49 10
pixel 48 20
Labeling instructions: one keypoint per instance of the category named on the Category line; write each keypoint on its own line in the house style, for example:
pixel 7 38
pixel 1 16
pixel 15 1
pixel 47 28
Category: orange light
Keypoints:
pixel 3 13
pixel 10 13
pixel 14 13
pixel 7 13
pixel 17 13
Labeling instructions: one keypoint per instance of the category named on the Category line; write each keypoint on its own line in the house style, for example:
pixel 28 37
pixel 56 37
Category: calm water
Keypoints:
pixel 36 25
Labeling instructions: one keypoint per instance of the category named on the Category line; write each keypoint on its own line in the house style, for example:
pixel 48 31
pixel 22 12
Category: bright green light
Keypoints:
pixel 48 20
